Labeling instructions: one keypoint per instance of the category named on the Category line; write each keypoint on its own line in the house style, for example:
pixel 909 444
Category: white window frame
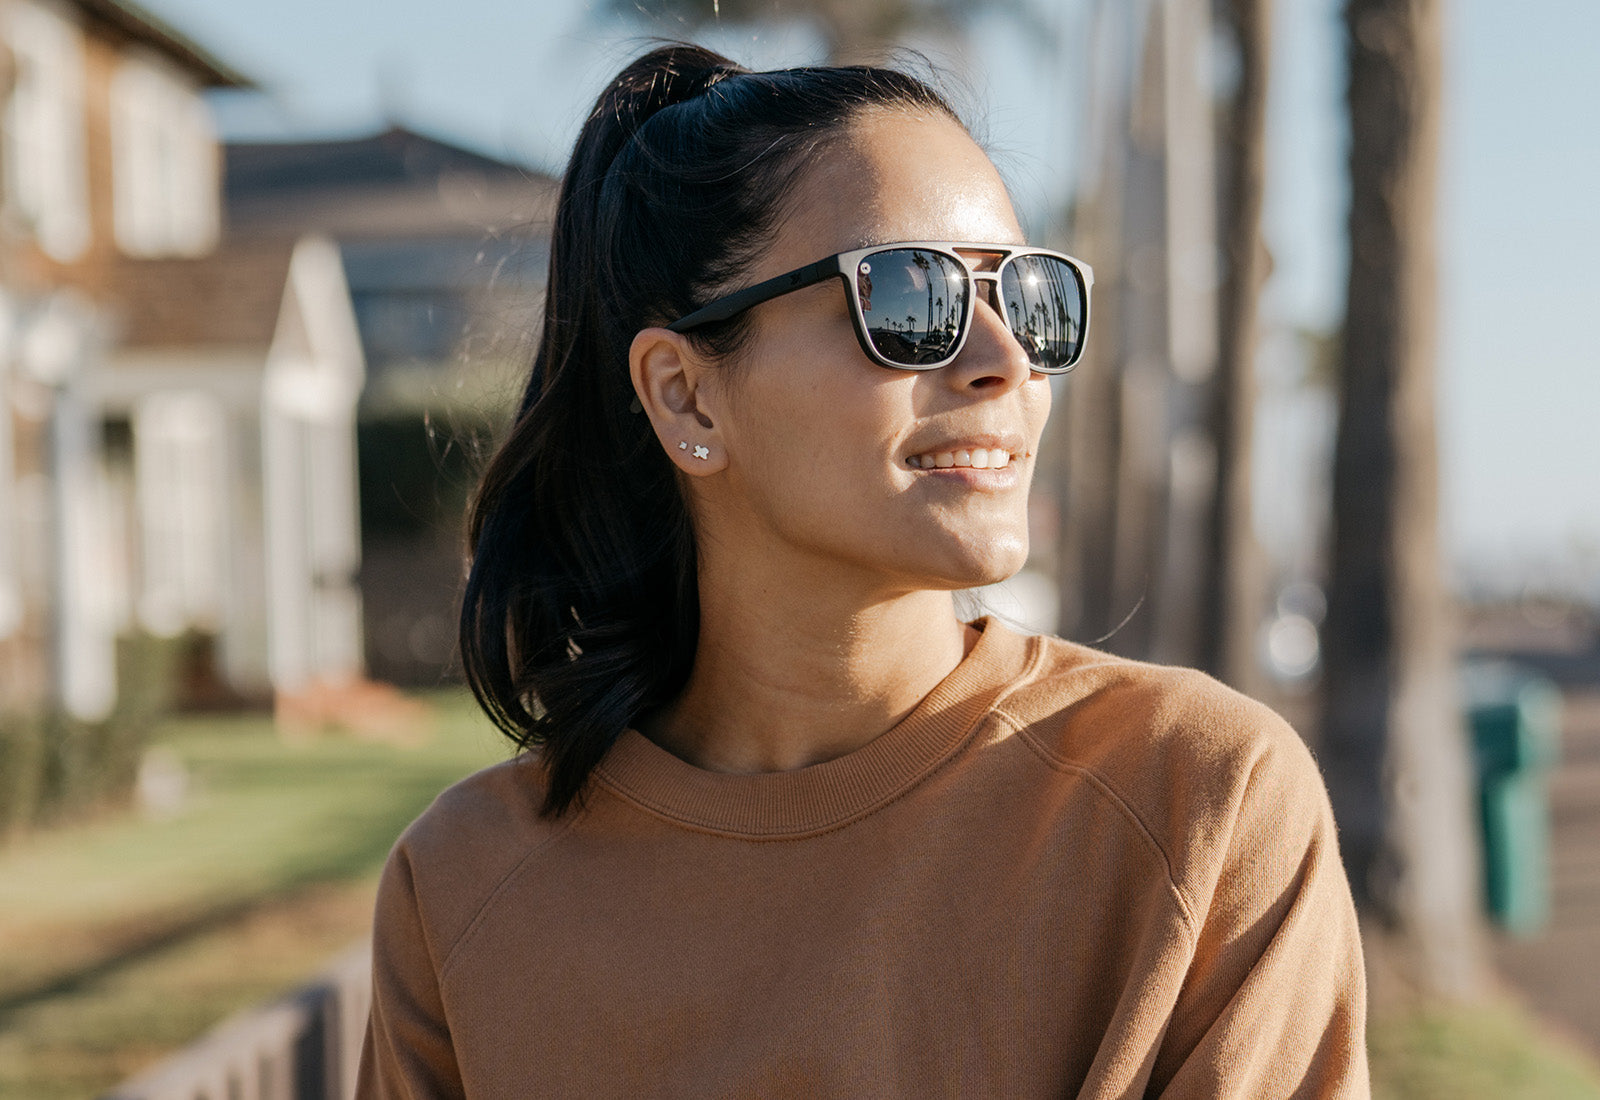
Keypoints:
pixel 180 468
pixel 165 167
pixel 46 127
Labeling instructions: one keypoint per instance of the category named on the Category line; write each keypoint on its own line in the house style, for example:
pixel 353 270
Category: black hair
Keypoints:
pixel 581 607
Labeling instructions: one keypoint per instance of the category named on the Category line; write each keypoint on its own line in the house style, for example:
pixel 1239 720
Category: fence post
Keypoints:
pixel 305 1046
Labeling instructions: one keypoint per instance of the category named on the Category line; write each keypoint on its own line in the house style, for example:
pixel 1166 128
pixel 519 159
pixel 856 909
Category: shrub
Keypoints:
pixel 55 768
pixel 21 770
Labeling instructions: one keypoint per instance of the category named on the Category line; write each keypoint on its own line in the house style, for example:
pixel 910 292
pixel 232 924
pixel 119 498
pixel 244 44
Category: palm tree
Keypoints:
pixel 1136 484
pixel 1231 600
pixel 1392 744
pixel 925 265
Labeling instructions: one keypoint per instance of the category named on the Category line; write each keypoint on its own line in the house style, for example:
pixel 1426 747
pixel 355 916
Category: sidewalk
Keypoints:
pixel 1558 971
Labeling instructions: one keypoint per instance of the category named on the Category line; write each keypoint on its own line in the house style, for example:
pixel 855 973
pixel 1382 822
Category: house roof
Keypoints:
pixel 230 298
pixel 132 22
pixel 396 183
pixel 396 155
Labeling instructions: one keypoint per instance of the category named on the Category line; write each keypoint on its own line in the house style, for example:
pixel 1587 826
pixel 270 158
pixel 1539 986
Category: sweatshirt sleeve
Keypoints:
pixel 407 1051
pixel 1274 1002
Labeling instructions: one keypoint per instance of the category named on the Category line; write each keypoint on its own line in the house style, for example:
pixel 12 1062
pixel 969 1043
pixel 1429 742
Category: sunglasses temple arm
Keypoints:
pixel 741 300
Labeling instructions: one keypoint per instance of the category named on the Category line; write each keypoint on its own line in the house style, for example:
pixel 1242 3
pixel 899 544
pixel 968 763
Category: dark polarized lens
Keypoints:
pixel 913 301
pixel 1045 303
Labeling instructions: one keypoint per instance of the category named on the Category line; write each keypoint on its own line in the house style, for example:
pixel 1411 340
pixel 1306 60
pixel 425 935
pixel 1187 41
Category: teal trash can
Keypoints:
pixel 1515 719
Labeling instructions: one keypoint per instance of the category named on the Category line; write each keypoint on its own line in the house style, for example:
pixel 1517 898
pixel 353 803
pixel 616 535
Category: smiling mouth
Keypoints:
pixel 975 458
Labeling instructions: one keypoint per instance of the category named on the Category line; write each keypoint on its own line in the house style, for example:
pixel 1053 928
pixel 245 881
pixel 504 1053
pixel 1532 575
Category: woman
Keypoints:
pixel 787 826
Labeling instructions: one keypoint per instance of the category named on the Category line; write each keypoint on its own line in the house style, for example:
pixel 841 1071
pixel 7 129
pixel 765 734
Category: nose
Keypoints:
pixel 991 359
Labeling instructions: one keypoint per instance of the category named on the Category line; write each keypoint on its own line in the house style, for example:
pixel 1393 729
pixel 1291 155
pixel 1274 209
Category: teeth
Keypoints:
pixel 978 458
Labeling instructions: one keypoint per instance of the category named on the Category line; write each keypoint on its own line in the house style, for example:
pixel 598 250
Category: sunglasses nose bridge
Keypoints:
pixel 986 286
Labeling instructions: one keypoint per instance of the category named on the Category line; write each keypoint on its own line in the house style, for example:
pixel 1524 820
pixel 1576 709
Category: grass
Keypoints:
pixel 1495 1051
pixel 76 1043
pixel 128 937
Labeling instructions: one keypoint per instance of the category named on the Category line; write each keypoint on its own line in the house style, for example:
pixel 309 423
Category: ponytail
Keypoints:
pixel 581 608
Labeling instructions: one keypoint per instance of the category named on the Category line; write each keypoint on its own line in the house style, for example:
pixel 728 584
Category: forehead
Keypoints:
pixel 895 176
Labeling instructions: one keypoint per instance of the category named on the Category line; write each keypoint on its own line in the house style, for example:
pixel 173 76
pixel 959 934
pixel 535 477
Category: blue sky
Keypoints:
pixel 1519 213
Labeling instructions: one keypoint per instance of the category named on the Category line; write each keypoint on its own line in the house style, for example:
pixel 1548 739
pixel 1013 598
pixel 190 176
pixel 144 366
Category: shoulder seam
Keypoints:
pixel 494 894
pixel 1029 673
pixel 1036 648
pixel 1112 795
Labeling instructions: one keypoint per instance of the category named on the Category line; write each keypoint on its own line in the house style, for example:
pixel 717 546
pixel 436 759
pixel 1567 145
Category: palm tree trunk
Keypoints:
pixel 1088 443
pixel 1232 600
pixel 1393 747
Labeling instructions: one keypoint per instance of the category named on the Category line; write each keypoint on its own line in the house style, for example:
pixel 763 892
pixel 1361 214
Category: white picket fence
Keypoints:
pixel 303 1047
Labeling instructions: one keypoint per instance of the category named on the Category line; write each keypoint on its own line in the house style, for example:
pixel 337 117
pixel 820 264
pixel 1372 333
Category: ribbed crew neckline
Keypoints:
pixel 823 796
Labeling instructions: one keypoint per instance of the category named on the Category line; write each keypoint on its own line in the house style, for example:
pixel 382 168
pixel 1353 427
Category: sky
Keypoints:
pixel 1519 371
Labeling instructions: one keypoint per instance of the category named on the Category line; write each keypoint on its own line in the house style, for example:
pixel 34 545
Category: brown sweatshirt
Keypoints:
pixel 1063 874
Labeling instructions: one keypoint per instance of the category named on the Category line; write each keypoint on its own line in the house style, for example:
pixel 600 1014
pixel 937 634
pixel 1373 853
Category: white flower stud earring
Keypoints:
pixel 702 452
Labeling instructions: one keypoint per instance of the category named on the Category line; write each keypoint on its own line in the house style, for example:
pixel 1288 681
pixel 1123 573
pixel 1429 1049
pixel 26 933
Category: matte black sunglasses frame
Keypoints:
pixel 844 265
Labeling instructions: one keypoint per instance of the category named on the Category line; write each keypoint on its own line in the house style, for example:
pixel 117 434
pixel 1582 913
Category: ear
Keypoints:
pixel 667 379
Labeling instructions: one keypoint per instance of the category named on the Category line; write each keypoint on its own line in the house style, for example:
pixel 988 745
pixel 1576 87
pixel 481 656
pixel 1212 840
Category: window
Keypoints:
pixel 46 183
pixel 164 163
pixel 180 467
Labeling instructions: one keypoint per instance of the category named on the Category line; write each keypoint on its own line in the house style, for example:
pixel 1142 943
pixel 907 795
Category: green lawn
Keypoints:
pixel 127 938
pixel 1490 1052
pixel 130 936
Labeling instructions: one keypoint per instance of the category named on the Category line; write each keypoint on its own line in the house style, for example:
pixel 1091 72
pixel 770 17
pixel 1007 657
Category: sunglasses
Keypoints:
pixel 912 302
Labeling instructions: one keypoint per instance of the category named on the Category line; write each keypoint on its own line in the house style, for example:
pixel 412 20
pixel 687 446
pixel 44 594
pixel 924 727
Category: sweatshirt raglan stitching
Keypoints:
pixel 500 887
pixel 1296 887
pixel 1115 797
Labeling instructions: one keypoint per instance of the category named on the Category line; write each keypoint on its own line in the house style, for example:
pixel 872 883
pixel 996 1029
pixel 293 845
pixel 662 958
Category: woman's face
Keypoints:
pixel 834 460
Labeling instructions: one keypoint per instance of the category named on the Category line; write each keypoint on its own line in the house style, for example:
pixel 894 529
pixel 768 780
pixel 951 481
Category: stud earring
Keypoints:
pixel 683 446
pixel 702 452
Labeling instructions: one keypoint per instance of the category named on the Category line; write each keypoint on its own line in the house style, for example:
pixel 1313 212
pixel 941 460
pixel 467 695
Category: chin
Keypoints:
pixel 996 560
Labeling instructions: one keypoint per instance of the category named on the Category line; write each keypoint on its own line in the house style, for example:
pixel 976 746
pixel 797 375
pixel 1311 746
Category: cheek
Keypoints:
pixel 812 414
pixel 824 451
pixel 1036 399
pixel 813 439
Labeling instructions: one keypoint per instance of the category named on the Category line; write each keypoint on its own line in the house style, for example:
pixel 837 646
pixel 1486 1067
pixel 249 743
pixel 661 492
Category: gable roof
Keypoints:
pixel 129 21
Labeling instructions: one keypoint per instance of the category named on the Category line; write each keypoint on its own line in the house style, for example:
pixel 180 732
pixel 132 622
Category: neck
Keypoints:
pixel 795 674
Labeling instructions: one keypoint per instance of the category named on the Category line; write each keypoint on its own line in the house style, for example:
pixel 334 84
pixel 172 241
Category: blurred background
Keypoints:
pixel 269 280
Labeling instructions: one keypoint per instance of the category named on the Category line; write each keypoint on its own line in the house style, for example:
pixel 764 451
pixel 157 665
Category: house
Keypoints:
pixel 443 246
pixel 237 377
pixel 165 392
pixel 446 251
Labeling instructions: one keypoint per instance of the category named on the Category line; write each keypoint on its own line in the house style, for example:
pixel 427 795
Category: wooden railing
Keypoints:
pixel 303 1047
